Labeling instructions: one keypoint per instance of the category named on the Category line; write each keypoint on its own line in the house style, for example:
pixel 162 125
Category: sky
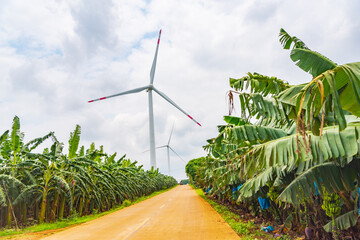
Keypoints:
pixel 56 55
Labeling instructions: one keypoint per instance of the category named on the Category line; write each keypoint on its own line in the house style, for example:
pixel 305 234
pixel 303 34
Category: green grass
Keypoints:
pixel 76 220
pixel 247 230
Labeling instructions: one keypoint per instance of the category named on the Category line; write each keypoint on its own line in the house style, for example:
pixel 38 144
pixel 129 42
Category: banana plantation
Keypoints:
pixel 52 185
pixel 292 154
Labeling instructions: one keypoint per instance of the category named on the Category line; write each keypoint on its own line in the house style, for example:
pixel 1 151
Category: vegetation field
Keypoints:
pixel 50 186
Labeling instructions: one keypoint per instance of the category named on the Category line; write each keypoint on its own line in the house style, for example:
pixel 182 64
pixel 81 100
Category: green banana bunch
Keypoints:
pixel 331 204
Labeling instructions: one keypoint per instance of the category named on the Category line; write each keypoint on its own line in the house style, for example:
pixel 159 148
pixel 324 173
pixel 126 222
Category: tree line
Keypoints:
pixel 51 185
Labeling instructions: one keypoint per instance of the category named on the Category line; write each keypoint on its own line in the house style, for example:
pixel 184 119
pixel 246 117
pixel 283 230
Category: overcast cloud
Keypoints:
pixel 57 55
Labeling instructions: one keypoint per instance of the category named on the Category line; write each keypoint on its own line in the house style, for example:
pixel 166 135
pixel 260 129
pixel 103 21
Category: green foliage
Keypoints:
pixel 258 83
pixel 4 136
pixel 74 141
pixel 337 179
pixel 80 183
pixel 287 41
pixel 311 62
pixel 15 135
pixel 184 181
pixel 126 203
pixel 307 60
pixel 2 198
pixel 192 167
pixel 344 221
pixel 236 121
pixel 288 140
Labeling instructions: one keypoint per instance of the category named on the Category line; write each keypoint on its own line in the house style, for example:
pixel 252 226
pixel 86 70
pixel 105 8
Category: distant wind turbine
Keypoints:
pixel 168 148
pixel 149 89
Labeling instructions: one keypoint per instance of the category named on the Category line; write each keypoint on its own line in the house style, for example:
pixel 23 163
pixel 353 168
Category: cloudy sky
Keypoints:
pixel 56 55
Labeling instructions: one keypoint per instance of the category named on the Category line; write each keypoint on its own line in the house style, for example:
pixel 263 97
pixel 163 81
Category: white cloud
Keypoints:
pixel 56 55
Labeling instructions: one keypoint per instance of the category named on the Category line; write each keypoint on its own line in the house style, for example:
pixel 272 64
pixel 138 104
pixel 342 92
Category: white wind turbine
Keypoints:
pixel 168 148
pixel 149 89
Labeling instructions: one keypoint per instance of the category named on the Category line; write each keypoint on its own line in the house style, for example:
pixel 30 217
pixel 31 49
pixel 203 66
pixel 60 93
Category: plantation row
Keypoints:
pixel 52 185
pixel 292 157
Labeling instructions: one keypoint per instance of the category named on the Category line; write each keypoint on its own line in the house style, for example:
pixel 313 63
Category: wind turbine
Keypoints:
pixel 149 88
pixel 168 148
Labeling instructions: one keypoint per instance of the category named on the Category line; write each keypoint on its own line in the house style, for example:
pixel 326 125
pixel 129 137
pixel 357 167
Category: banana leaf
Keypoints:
pixel 344 221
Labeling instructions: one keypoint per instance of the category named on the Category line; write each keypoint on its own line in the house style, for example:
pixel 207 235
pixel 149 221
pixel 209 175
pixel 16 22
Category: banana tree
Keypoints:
pixel 291 137
pixel 53 185
pixel 12 152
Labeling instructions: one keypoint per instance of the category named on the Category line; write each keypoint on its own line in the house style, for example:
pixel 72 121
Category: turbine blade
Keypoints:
pixel 171 133
pixel 162 146
pixel 122 93
pixel 177 154
pixel 152 71
pixel 155 148
pixel 174 104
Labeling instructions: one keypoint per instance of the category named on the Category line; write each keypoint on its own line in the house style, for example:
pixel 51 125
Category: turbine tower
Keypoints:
pixel 149 88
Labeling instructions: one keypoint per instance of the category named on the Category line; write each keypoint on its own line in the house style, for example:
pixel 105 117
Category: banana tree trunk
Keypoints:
pixel 8 216
pixel 73 199
pixel 36 210
pixel 24 213
pixel 43 206
pixel 62 207
pixel 91 207
pixel 81 206
pixel 2 216
pixel 54 206
pixel 48 212
pixel 86 212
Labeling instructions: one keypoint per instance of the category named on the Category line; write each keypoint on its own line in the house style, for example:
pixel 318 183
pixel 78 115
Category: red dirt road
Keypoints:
pixel 177 214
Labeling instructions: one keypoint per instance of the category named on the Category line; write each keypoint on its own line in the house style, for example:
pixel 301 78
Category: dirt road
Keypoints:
pixel 177 214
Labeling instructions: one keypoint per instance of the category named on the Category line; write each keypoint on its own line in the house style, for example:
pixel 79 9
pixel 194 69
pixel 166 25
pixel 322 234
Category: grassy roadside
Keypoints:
pixel 75 220
pixel 247 230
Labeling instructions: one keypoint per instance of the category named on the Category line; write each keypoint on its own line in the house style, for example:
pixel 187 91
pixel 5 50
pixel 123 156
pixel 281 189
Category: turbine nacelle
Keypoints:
pixel 150 87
